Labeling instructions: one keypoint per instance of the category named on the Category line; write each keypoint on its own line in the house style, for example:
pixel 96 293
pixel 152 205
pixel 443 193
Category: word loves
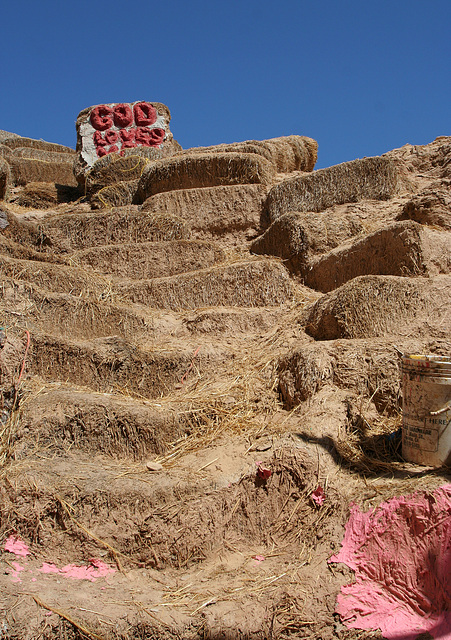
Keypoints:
pixel 124 126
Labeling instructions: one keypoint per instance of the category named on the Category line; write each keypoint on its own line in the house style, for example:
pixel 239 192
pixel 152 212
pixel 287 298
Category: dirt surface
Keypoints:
pixel 170 402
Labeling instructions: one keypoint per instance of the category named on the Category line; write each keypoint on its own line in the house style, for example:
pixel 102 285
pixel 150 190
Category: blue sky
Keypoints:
pixel 361 77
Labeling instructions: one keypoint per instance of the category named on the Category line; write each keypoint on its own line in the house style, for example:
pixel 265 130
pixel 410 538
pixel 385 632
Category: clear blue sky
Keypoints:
pixel 361 77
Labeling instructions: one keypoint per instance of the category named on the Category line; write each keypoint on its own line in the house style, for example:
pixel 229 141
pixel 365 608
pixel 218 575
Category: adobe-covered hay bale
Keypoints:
pixel 5 178
pixel 377 306
pixel 400 249
pixel 367 368
pixel 81 230
pixel 287 153
pixel 432 206
pixel 14 142
pixel 111 362
pixel 119 194
pixel 43 195
pixel 49 168
pixel 297 237
pixel 368 178
pixel 212 209
pixel 256 283
pixel 200 170
pixel 150 259
pixel 117 426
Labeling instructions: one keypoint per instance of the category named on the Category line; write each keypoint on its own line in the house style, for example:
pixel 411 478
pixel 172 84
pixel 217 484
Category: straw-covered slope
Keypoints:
pixel 184 424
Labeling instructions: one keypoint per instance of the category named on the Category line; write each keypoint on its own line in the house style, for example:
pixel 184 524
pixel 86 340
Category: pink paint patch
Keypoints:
pixel 258 559
pixel 17 566
pixel 17 546
pixel 401 555
pixel 97 569
pixel 49 568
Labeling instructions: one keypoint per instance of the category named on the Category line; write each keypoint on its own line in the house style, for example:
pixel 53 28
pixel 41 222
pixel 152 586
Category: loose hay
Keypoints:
pixel 256 283
pixel 401 249
pixel 288 153
pixel 204 170
pixel 371 178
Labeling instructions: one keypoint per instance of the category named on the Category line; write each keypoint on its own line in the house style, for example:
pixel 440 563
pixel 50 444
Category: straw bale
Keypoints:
pixel 204 170
pixel 117 427
pixel 367 368
pixel 128 224
pixel 400 249
pixel 43 195
pixel 119 194
pixel 370 178
pixel 151 259
pixel 213 209
pixel 432 206
pixel 297 237
pixel 18 141
pixel 287 153
pixel 256 283
pixel 5 178
pixel 21 231
pixel 377 306
pixel 24 170
pixel 109 363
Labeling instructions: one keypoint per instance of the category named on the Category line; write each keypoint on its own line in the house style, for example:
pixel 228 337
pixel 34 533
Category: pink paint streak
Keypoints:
pixel 17 546
pixel 97 569
pixel 401 555
pixel 17 568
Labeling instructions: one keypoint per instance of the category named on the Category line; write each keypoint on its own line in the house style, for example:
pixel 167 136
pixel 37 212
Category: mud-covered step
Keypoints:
pixel 401 249
pixel 369 369
pixel 377 306
pixel 164 519
pixel 56 278
pixel 62 417
pixel 142 260
pixel 254 283
pixel 112 364
pixel 233 322
pixel 69 232
pixel 212 210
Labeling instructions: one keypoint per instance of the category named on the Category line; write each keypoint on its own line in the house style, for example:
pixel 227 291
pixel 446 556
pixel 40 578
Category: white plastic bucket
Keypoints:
pixel 426 419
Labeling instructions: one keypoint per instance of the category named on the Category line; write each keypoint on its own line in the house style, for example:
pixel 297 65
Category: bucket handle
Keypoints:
pixel 437 413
